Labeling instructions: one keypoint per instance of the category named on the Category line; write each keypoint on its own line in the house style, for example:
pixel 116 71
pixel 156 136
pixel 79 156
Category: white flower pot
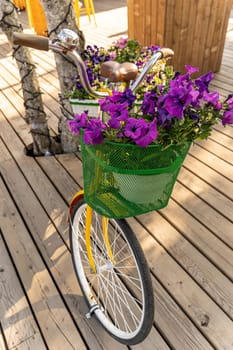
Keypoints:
pixel 142 189
pixel 79 106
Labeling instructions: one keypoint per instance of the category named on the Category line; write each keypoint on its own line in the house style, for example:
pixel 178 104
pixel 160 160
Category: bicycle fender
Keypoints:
pixel 78 195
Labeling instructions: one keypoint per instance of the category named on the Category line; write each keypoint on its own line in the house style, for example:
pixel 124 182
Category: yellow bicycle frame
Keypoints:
pixel 105 220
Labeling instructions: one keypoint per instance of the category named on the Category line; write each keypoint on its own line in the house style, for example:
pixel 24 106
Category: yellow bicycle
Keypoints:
pixel 108 260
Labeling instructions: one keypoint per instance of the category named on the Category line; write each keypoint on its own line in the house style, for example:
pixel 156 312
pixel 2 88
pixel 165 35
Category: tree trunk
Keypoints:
pixel 60 14
pixel 35 115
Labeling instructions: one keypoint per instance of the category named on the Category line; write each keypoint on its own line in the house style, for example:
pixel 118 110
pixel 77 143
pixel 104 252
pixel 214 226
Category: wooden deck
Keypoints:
pixel 189 244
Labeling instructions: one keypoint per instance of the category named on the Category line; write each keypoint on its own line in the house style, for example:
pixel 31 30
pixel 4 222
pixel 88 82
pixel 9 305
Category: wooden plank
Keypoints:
pixel 52 247
pixel 193 300
pixel 216 180
pixel 55 322
pixel 130 17
pixel 224 13
pixel 204 191
pixel 226 61
pixel 35 175
pixel 17 321
pixel 168 40
pixel 154 341
pixel 2 340
pixel 218 224
pixel 147 23
pixel 73 166
pixel 49 92
pixel 58 260
pixel 9 101
pixel 223 77
pixel 219 149
pixel 153 32
pixel 185 33
pixel 176 326
pixel 134 7
pixel 140 20
pixel 49 97
pixel 214 162
pixel 195 264
pixel 7 79
pixel 170 319
pixel 210 49
pixel 59 175
pixel 44 61
pixel 179 34
pixel 200 237
pixel 218 136
pixel 227 130
pixel 198 42
pixel 223 88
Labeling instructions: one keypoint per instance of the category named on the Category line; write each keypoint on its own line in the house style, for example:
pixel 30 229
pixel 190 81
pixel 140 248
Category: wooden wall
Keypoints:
pixel 194 29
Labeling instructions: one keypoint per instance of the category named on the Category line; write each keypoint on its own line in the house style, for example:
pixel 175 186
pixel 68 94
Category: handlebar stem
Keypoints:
pixel 134 85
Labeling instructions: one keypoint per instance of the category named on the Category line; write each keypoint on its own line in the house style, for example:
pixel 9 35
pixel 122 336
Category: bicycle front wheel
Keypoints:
pixel 119 292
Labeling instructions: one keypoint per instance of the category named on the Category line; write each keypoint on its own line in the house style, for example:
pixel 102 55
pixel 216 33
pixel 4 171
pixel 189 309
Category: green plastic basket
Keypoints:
pixel 122 180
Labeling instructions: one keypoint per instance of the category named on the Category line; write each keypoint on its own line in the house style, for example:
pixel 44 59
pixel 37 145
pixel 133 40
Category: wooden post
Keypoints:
pixel 194 29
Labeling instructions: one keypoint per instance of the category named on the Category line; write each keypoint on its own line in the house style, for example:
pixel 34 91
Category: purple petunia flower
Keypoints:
pixel 190 70
pixel 230 101
pixel 93 132
pixel 133 128
pixel 203 82
pixel 118 114
pixel 211 97
pixel 105 104
pixel 164 118
pixel 176 100
pixel 127 96
pixel 227 117
pixel 80 121
pixel 149 103
pixel 141 132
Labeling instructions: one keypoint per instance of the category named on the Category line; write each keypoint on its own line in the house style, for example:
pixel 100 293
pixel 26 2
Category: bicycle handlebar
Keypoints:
pixel 67 43
pixel 31 40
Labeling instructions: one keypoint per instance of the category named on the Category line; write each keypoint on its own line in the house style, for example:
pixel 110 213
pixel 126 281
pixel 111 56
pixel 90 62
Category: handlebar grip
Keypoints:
pixel 167 52
pixel 31 40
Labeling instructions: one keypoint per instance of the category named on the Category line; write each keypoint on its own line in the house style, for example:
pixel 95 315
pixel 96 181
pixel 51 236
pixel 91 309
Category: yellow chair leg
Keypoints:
pixel 88 8
pixel 92 9
pixel 76 10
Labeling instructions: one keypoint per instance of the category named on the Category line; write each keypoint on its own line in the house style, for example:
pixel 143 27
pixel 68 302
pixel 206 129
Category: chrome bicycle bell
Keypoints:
pixel 68 39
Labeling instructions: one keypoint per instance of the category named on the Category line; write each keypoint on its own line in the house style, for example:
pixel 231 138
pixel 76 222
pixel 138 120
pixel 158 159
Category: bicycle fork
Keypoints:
pixel 88 238
pixel 105 221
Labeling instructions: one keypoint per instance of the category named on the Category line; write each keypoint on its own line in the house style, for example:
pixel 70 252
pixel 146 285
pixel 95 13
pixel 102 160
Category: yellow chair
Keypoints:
pixel 21 4
pixel 86 8
pixel 36 17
